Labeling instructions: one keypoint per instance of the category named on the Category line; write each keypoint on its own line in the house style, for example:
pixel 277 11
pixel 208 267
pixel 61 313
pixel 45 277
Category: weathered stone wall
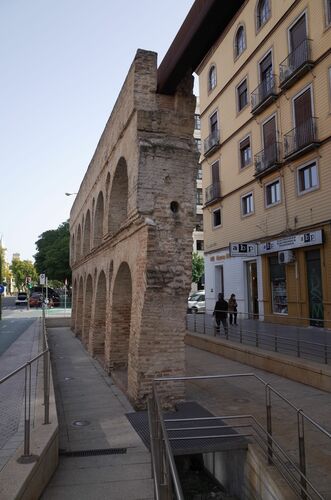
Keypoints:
pixel 132 220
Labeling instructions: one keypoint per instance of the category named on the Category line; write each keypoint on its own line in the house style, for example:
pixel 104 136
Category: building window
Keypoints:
pixel 245 152
pixel 199 174
pixel 213 124
pixel 327 12
pixel 262 13
pixel 242 95
pixel 307 178
pixel 198 144
pixel 212 78
pixel 197 122
pixel 217 221
pixel 247 205
pixel 200 245
pixel 240 41
pixel 199 196
pixel 278 286
pixel 272 193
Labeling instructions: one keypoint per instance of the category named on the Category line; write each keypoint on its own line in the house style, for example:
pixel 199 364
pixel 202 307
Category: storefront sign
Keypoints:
pixel 290 242
pixel 243 249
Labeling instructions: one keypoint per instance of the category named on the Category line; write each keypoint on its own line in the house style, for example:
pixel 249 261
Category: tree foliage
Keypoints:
pixel 198 267
pixel 52 257
pixel 21 269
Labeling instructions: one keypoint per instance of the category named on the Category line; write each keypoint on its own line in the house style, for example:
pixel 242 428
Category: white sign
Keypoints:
pixel 243 249
pixel 293 241
pixel 42 279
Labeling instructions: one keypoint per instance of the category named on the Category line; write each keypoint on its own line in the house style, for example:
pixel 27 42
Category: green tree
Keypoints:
pixel 21 269
pixel 198 267
pixel 52 257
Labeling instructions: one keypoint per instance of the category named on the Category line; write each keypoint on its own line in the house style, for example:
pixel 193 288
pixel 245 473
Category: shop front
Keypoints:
pixel 293 287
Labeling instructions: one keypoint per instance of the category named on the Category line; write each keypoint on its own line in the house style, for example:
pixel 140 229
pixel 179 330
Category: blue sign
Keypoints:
pixel 2 288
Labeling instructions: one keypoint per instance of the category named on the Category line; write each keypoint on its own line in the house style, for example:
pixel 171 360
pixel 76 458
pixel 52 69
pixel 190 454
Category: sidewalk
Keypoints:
pixel 24 348
pixel 91 412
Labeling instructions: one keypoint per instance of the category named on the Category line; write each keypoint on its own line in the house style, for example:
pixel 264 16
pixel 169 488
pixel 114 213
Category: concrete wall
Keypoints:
pixel 246 475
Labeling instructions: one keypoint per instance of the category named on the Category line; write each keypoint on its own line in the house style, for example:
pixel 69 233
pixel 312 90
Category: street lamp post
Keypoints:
pixel 69 194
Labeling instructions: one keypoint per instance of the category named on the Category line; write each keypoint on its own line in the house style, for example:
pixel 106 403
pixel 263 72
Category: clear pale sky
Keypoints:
pixel 62 65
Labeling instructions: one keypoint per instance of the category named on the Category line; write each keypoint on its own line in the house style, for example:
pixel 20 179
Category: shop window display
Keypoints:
pixel 278 286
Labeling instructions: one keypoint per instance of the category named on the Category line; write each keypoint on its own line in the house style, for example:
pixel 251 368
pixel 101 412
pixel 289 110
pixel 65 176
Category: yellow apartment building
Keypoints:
pixel 265 103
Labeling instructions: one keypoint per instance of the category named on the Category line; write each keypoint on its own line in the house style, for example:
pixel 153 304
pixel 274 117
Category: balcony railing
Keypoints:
pixel 267 159
pixel 295 65
pixel 211 142
pixel 301 139
pixel 213 193
pixel 264 94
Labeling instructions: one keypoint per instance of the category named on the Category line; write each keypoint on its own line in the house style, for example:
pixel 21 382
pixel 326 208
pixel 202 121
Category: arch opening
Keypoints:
pixel 98 221
pixel 87 234
pixel 99 323
pixel 118 202
pixel 121 319
pixel 87 310
pixel 79 309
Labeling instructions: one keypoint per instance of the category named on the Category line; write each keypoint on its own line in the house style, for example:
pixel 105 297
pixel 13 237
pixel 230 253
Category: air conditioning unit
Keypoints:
pixel 286 256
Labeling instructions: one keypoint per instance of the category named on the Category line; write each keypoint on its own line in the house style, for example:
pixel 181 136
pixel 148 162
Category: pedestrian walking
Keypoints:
pixel 221 314
pixel 233 309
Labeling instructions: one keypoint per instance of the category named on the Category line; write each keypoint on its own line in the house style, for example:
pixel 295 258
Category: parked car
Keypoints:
pixel 21 299
pixel 53 297
pixel 196 302
pixel 36 299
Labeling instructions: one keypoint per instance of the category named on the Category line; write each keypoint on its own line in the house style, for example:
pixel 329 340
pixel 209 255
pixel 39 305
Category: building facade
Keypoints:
pixel 198 243
pixel 265 104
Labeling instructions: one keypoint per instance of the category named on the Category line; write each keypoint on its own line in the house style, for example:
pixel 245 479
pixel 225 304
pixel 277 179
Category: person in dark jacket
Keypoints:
pixel 221 313
pixel 233 309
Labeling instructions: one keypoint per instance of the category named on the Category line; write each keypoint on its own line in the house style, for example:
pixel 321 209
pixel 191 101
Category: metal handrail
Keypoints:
pixel 319 351
pixel 163 460
pixel 264 90
pixel 213 192
pixel 268 439
pixel 301 417
pixel 301 136
pixel 211 141
pixel 267 157
pixel 27 387
pixel 295 60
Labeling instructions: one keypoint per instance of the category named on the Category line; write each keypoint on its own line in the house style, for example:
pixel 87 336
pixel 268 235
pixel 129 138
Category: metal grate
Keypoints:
pixel 91 453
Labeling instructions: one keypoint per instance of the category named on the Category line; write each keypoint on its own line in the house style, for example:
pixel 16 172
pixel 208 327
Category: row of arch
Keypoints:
pixel 101 314
pixel 105 216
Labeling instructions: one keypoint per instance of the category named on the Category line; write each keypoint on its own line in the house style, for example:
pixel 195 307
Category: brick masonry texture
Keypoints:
pixel 131 234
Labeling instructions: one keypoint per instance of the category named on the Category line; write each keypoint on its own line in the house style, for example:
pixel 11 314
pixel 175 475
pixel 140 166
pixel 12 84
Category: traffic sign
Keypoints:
pixel 42 279
pixel 2 289
pixel 243 249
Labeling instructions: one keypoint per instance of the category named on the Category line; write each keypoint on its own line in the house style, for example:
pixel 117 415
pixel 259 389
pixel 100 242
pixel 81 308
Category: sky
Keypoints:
pixel 62 65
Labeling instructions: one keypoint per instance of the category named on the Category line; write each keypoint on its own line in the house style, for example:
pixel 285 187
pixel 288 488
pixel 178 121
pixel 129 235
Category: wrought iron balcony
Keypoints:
pixel 211 142
pixel 268 159
pixel 213 193
pixel 295 65
pixel 264 94
pixel 301 139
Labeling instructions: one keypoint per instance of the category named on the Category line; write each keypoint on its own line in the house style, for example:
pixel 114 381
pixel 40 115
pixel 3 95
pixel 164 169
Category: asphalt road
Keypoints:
pixel 15 321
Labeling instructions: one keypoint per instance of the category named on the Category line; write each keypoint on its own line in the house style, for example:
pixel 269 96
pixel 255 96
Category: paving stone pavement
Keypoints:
pixel 245 395
pixel 85 393
pixel 22 350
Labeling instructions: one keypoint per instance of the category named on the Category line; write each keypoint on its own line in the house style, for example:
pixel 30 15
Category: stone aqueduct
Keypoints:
pixel 131 234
